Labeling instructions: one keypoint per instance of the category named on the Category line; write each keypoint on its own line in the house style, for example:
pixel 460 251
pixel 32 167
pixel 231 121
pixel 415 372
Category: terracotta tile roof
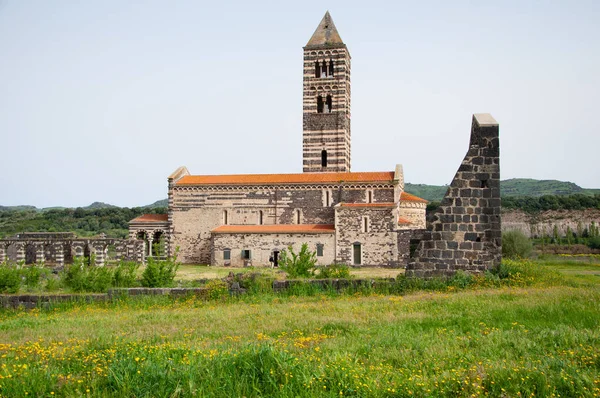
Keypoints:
pixel 390 204
pixel 275 229
pixel 151 218
pixel 298 178
pixel 405 196
pixel 403 220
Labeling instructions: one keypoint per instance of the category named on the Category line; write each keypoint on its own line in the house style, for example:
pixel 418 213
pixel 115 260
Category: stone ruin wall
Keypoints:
pixel 465 233
pixel 61 249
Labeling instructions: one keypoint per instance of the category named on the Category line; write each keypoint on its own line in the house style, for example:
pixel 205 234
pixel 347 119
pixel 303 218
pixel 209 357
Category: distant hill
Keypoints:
pixel 515 187
pixel 20 208
pixel 159 203
pixel 100 205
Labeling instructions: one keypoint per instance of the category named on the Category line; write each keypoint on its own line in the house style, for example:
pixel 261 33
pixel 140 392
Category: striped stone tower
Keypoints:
pixel 326 101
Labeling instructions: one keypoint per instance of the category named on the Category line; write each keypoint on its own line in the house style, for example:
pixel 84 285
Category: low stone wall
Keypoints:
pixel 336 284
pixel 30 301
pixel 160 291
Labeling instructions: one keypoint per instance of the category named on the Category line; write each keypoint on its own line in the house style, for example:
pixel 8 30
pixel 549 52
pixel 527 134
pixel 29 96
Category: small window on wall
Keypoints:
pixel 319 250
pixel 369 196
pixel 246 255
pixel 356 254
pixel 225 220
pixel 298 217
pixel 227 254
pixel 365 224
pixel 260 217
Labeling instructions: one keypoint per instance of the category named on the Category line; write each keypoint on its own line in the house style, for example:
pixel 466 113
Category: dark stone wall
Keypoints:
pixel 465 233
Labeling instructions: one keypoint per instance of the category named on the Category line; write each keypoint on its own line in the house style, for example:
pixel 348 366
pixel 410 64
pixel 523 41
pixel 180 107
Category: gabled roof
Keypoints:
pixel 299 178
pixel 275 229
pixel 326 33
pixel 407 197
pixel 151 218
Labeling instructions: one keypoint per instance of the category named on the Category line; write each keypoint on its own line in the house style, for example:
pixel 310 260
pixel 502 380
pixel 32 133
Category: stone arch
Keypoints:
pixel 158 243
pixel 30 253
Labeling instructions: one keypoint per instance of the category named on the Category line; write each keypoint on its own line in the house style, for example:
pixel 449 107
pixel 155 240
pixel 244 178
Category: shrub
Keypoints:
pixel 339 271
pixel 594 243
pixel 516 245
pixel 217 289
pixel 160 273
pixel 83 277
pixel 125 274
pixel 32 275
pixel 300 264
pixel 10 278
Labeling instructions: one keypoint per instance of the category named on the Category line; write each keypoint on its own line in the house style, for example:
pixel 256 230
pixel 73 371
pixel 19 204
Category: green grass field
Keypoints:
pixel 539 337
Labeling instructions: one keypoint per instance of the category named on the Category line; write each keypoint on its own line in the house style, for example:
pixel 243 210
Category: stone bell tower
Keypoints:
pixel 326 101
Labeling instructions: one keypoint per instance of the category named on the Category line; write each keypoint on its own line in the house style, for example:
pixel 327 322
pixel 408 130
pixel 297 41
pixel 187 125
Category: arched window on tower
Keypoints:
pixel 331 68
pixel 324 69
pixel 329 103
pixel 323 158
pixel 319 104
pixel 317 69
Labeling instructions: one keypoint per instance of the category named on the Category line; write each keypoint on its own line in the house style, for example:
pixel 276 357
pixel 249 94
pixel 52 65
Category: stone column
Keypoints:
pixel 99 252
pixel 59 253
pixel 2 252
pixel 20 251
pixel 150 236
pixel 40 256
pixel 139 252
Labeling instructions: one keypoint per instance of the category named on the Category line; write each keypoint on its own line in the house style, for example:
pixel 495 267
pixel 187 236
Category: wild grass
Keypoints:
pixel 538 335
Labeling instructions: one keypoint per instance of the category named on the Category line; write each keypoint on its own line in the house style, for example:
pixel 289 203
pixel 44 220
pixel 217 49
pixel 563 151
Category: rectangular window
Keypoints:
pixel 365 226
pixel 357 254
pixel 246 255
pixel 319 250
pixel 226 254
pixel 369 196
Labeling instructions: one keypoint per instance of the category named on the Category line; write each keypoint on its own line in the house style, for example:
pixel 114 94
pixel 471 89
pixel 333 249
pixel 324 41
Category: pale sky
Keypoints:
pixel 102 100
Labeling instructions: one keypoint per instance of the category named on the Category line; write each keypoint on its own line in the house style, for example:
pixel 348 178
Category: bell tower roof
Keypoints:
pixel 326 34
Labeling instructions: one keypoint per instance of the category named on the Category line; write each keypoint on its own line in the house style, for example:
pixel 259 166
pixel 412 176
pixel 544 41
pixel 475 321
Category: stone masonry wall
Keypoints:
pixel 465 233
pixel 378 243
pixel 196 211
pixel 262 245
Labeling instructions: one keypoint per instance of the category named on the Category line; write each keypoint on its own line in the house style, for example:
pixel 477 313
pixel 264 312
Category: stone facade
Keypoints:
pixel 233 248
pixel 465 233
pixel 201 205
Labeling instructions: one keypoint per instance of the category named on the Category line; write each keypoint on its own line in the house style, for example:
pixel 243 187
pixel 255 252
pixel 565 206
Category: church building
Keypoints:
pixel 356 218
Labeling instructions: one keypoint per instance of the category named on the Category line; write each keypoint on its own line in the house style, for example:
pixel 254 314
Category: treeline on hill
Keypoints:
pixel 84 222
pixel 532 204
